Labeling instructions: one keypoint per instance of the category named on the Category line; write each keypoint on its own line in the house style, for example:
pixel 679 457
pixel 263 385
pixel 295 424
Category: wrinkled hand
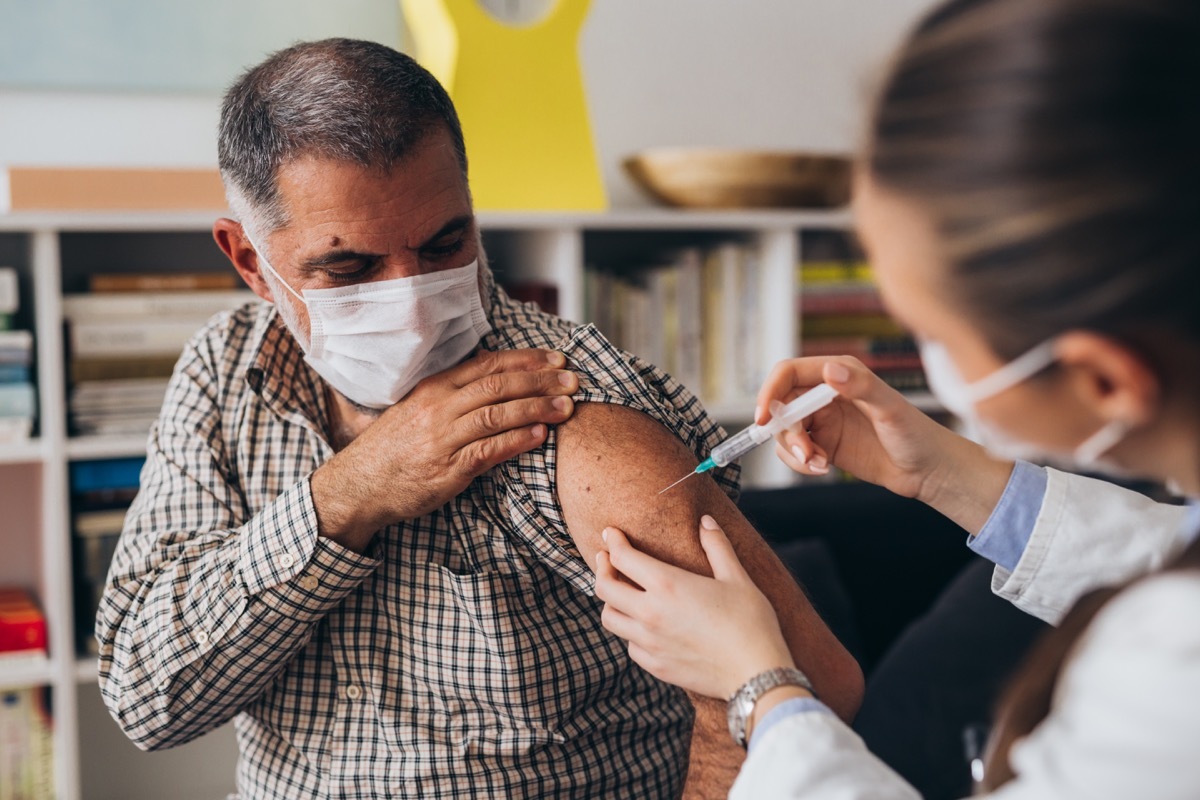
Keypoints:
pixel 451 428
pixel 707 635
pixel 870 430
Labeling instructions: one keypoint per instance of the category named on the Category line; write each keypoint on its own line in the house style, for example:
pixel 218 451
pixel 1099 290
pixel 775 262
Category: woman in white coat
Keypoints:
pixel 1030 199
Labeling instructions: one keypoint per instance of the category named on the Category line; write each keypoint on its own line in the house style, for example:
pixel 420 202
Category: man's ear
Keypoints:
pixel 1112 379
pixel 236 246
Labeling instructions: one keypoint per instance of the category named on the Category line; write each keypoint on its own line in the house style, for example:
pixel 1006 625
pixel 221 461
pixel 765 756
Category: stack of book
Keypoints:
pixel 18 399
pixel 125 337
pixel 27 754
pixel 101 492
pixel 841 314
pixel 696 316
pixel 22 629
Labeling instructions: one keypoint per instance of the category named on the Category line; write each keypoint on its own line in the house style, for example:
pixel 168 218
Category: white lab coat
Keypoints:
pixel 1125 718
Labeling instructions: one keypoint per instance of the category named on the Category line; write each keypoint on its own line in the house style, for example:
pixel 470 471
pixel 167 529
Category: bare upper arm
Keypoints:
pixel 613 462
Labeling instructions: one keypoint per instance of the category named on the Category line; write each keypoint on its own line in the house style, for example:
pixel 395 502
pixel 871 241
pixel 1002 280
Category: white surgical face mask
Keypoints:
pixel 960 399
pixel 373 342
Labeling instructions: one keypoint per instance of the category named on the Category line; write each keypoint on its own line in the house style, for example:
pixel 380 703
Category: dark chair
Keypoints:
pixel 895 582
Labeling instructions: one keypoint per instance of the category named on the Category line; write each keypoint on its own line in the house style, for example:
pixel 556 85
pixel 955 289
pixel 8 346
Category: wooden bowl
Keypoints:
pixel 716 178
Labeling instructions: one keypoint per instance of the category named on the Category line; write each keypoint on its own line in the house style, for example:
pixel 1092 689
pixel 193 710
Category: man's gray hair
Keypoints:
pixel 339 99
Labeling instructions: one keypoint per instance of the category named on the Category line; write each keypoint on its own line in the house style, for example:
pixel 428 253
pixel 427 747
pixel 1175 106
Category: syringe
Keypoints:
pixel 749 438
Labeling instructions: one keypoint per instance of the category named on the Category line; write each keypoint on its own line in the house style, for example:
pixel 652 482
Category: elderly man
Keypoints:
pixel 371 504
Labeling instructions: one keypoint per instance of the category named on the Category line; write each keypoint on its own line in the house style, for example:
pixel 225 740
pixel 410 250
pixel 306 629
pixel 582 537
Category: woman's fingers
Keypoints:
pixel 614 591
pixel 721 557
pixel 644 570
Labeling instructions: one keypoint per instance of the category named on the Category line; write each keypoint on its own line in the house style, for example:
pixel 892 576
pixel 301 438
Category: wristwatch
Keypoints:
pixel 741 705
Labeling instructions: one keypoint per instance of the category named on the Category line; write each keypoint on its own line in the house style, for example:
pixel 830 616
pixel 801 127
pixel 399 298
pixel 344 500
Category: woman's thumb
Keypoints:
pixel 722 559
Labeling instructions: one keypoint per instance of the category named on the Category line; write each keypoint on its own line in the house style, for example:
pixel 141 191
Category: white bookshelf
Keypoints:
pixel 53 254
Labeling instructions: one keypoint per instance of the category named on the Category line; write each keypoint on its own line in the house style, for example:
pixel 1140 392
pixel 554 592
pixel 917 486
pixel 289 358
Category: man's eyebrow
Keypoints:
pixel 453 226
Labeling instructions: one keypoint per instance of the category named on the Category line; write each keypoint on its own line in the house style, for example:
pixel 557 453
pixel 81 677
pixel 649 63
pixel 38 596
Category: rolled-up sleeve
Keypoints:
pixel 206 604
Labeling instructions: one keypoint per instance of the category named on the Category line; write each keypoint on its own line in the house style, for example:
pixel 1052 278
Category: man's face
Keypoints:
pixel 349 225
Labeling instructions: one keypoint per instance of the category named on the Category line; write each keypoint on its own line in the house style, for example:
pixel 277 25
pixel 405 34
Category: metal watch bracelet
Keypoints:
pixel 741 704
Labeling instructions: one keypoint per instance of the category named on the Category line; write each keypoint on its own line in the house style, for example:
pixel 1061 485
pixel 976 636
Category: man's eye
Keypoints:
pixel 349 274
pixel 443 250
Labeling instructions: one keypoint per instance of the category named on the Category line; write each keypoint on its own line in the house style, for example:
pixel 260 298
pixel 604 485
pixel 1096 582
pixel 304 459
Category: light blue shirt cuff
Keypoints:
pixel 1007 531
pixel 788 708
pixel 1191 526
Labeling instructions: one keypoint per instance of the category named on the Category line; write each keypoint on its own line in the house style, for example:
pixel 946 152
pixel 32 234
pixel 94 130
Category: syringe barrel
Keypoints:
pixel 739 445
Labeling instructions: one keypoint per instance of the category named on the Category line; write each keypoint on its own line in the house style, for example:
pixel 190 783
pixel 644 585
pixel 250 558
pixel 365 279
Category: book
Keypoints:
pixel 16 346
pixel 108 473
pixel 10 297
pixel 110 189
pixel 197 305
pixel 848 271
pixel 27 755
pixel 96 534
pixel 145 337
pixel 22 626
pixel 18 400
pixel 15 373
pixel 163 281
pixel 544 295
pixel 103 368
pixel 851 325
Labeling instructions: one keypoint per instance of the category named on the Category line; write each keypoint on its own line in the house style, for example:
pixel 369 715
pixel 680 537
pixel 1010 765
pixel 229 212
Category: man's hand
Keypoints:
pixel 427 448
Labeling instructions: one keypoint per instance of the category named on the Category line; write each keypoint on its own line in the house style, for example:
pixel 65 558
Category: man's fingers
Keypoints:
pixel 494 419
pixel 498 387
pixel 487 362
pixel 722 559
pixel 483 454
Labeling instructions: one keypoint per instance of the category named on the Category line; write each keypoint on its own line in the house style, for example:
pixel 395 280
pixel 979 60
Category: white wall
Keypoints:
pixel 747 73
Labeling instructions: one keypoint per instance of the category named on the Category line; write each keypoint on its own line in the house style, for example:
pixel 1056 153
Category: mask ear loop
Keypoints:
pixel 261 255
pixel 1014 372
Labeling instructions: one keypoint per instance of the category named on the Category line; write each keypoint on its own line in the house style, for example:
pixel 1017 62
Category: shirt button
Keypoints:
pixel 286 560
pixel 202 638
pixel 353 692
pixel 309 582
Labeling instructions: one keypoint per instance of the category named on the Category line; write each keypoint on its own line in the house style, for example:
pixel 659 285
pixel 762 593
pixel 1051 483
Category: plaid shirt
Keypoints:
pixel 462 655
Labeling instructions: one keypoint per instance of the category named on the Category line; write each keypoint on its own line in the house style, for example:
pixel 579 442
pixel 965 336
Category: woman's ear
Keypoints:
pixel 236 246
pixel 1108 376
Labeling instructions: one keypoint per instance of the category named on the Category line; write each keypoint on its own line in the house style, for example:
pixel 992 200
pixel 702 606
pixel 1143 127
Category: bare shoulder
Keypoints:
pixel 612 463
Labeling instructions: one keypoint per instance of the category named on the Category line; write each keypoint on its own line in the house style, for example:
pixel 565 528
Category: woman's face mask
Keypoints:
pixel 373 342
pixel 960 398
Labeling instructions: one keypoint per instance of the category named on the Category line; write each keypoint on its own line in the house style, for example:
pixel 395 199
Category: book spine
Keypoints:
pixel 125 305
pixel 163 282
pixel 146 337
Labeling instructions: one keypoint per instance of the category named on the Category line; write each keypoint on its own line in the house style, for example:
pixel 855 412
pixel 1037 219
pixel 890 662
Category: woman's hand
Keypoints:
pixel 707 635
pixel 874 433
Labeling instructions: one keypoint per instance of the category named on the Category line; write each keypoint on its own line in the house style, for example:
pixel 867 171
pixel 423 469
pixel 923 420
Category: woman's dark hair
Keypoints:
pixel 1056 144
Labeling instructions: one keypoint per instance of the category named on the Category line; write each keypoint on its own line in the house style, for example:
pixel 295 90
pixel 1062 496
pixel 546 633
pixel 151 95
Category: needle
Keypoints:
pixel 676 483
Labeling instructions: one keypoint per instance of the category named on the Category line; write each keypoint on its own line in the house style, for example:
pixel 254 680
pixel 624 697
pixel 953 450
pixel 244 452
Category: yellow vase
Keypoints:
pixel 519 94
